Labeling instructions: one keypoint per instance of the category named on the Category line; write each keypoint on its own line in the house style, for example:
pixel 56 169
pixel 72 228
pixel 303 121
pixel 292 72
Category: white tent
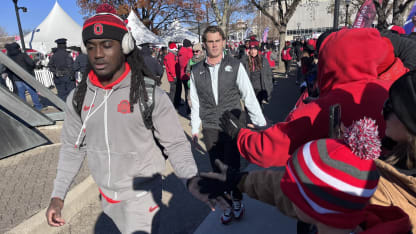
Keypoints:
pixel 58 24
pixel 141 33
pixel 178 33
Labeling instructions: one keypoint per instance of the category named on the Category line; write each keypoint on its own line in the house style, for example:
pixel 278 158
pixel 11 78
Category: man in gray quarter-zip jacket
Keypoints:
pixel 217 85
pixel 104 123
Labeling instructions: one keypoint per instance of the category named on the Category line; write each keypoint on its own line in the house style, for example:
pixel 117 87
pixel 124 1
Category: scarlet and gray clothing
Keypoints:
pixel 138 215
pixel 122 153
pixel 172 66
pixel 172 72
pixel 215 89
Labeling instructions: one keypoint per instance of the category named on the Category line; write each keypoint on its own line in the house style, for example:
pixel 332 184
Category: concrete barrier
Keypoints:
pixel 80 196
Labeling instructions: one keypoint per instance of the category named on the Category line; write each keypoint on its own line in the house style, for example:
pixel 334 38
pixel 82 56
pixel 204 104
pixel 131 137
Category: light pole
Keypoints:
pixel 24 9
pixel 298 24
pixel 336 14
pixel 347 4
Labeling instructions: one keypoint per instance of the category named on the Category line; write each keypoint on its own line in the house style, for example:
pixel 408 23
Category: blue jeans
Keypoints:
pixel 21 89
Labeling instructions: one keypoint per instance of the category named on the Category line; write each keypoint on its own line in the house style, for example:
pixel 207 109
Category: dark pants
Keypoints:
pixel 186 89
pixel 63 85
pixel 220 146
pixel 175 92
pixel 287 66
pixel 299 75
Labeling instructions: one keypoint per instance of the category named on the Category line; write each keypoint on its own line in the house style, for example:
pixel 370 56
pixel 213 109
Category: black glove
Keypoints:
pixel 231 124
pixel 216 184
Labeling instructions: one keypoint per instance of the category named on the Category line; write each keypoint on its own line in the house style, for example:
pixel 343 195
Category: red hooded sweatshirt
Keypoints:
pixel 386 220
pixel 171 64
pixel 185 54
pixel 350 62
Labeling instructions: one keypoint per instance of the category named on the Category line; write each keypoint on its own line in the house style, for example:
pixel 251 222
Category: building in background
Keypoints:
pixel 237 30
pixel 311 17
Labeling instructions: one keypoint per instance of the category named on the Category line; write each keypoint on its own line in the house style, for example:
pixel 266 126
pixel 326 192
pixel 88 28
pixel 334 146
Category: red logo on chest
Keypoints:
pixel 124 107
pixel 86 108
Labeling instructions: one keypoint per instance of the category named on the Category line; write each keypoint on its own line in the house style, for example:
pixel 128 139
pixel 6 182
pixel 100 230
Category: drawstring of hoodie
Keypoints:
pixel 89 114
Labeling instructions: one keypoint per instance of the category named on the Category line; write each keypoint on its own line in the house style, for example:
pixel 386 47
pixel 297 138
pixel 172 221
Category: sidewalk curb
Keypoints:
pixel 80 196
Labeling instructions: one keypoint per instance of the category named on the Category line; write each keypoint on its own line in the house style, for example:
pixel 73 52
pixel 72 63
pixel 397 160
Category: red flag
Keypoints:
pixel 366 14
pixel 17 38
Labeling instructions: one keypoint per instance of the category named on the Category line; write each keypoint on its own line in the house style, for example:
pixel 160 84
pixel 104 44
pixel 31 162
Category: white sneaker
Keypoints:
pixel 238 209
pixel 227 216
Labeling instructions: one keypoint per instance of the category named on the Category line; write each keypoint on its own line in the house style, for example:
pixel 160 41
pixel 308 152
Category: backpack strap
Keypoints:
pixel 146 107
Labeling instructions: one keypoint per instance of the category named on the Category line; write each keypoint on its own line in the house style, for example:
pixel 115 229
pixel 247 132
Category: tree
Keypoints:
pixel 285 10
pixel 353 8
pixel 223 11
pixel 385 8
pixel 155 14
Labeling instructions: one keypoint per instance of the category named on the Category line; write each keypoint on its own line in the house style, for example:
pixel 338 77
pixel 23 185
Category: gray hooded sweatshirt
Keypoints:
pixel 122 154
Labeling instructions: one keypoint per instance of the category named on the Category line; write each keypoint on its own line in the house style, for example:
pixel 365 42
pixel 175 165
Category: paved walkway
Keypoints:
pixel 26 184
pixel 27 180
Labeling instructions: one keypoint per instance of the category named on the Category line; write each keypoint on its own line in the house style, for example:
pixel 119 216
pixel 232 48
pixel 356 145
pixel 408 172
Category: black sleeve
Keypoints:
pixel 2 69
pixel 77 65
pixel 404 48
pixel 29 62
pixel 51 64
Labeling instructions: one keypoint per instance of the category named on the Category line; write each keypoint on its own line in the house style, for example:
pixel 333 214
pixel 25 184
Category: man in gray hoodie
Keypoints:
pixel 104 122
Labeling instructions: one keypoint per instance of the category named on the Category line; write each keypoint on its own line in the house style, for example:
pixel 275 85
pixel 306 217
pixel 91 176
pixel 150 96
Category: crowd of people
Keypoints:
pixel 360 181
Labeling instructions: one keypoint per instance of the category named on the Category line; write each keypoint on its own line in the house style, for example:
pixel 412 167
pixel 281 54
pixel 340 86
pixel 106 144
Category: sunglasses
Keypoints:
pixel 196 51
pixel 387 108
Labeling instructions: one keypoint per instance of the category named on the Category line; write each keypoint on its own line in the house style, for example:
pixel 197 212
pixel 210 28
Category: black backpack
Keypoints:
pixel 146 108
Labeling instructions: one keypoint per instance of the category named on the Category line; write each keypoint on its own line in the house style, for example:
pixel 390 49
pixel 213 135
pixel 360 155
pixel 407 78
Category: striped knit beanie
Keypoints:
pixel 104 25
pixel 332 180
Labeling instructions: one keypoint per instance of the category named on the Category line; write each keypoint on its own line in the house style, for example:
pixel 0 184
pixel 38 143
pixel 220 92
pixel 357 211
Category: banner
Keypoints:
pixel 366 14
pixel 265 33
pixel 409 26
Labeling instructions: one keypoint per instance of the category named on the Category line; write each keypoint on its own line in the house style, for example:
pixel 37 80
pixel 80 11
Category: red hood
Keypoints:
pixel 386 219
pixel 352 55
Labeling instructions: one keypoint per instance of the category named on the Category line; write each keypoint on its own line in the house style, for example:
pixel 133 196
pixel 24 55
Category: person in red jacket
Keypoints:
pixel 356 69
pixel 184 55
pixel 327 183
pixel 287 57
pixel 172 70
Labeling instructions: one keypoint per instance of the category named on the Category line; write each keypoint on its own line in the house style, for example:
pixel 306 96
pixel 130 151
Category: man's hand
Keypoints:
pixel 194 189
pixel 53 213
pixel 195 142
pixel 216 184
pixel 231 124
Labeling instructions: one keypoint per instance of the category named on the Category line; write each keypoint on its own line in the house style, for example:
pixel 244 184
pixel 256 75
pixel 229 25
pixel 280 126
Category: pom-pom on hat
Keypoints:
pixel 172 46
pixel 104 25
pixel 329 182
pixel 254 44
